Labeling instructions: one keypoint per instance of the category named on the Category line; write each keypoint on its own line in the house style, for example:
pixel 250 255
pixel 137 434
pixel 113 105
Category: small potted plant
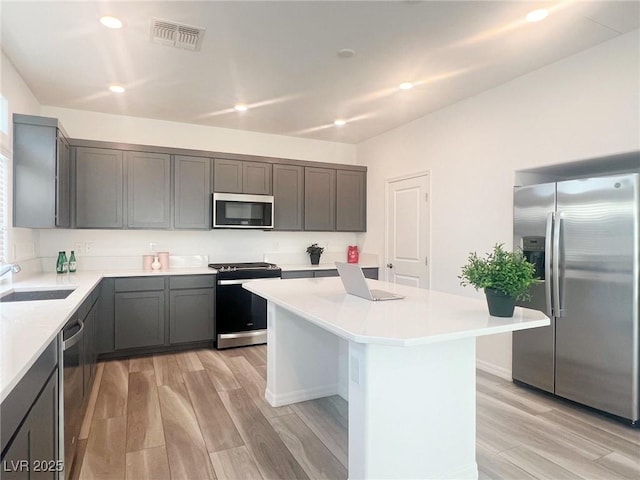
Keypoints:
pixel 314 252
pixel 504 276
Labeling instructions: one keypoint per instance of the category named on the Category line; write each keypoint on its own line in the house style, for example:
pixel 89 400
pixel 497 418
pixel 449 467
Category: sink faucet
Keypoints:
pixel 9 267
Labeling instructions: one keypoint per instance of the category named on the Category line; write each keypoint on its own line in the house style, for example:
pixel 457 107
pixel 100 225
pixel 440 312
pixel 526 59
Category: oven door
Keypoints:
pixel 232 210
pixel 241 316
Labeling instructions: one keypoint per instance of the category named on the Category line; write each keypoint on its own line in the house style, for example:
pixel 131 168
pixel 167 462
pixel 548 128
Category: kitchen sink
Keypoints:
pixel 29 296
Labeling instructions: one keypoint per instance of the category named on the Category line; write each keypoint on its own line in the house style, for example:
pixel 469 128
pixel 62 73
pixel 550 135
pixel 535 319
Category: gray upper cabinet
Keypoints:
pixel 99 182
pixel 41 173
pixel 227 176
pixel 319 199
pixel 192 192
pixel 148 190
pixel 288 197
pixel 256 178
pixel 351 201
pixel 238 176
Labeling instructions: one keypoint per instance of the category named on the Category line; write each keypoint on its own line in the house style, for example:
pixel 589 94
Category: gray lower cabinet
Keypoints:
pixel 155 312
pixel 148 190
pixel 99 187
pixel 191 309
pixel 41 173
pixel 139 320
pixel 351 201
pixel 369 272
pixel 192 193
pixel 288 197
pixel 319 199
pixel 30 422
pixel 240 176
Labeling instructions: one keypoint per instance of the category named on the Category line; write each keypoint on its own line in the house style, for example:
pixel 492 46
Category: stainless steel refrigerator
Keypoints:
pixel 583 237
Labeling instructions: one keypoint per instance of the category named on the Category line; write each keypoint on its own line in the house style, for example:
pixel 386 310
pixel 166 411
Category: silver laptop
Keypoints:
pixel 355 284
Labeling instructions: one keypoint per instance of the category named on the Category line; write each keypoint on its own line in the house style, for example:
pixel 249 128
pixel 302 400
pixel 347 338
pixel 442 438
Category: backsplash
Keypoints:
pixel 99 249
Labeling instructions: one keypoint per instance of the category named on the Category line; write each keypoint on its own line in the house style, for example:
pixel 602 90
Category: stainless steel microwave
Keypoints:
pixel 236 210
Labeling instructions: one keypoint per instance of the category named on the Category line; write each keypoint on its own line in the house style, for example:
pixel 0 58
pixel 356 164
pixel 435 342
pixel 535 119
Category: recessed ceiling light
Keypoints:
pixel 537 15
pixel 111 22
pixel 339 122
pixel 346 53
pixel 241 108
pixel 405 86
pixel 117 88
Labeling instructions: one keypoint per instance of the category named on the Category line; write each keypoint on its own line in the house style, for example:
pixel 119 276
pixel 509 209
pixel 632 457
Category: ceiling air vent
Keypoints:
pixel 175 34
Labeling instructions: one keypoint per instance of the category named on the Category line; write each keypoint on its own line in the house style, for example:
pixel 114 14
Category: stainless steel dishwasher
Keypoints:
pixel 72 394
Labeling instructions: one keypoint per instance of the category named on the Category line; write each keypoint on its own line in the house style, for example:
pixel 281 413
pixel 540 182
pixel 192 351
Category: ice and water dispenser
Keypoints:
pixel 533 251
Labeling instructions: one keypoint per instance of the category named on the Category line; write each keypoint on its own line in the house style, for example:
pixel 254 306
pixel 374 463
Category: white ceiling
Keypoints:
pixel 280 58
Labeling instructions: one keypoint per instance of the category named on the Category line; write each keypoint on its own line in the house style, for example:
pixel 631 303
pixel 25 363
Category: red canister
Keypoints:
pixel 352 254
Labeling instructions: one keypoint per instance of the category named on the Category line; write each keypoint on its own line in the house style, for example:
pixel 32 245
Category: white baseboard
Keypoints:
pixel 300 395
pixel 494 369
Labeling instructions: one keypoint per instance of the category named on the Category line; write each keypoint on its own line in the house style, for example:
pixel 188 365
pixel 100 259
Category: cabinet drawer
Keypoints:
pixel 192 281
pixel 297 274
pixel 326 273
pixel 139 284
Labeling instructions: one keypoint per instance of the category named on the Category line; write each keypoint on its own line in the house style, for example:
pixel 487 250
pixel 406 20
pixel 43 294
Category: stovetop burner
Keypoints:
pixel 242 266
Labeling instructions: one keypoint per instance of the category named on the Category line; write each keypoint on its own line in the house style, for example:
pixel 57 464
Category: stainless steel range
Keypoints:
pixel 241 317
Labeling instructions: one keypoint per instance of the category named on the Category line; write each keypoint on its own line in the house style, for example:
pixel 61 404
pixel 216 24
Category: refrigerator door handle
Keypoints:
pixel 547 264
pixel 557 230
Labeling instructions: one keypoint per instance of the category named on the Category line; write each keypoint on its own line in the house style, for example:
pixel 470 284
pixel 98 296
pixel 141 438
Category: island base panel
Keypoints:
pixel 412 411
pixel 306 356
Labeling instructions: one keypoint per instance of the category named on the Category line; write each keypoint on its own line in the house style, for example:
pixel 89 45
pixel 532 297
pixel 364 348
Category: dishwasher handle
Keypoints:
pixel 70 342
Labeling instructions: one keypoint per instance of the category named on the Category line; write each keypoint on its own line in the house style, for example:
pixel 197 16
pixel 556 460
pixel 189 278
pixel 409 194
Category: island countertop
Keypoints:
pixel 422 317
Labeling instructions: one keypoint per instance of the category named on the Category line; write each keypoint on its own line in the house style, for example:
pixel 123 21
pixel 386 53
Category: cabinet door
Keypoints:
pixel 148 190
pixel 99 188
pixel 63 190
pixel 90 348
pixel 370 272
pixel 288 197
pixel 351 200
pixel 139 319
pixel 192 192
pixel 319 199
pixel 227 176
pixel 43 427
pixel 105 327
pixel 36 442
pixel 191 315
pixel 256 178
pixel 34 172
pixel 15 464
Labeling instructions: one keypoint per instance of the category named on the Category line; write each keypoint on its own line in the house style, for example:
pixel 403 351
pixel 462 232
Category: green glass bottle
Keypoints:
pixel 72 262
pixel 60 263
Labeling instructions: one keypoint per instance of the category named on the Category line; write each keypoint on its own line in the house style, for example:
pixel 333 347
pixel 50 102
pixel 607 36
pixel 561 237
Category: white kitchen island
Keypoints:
pixel 406 367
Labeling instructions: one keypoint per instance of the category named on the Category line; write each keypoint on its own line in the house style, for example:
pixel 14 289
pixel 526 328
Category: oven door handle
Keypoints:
pixel 244 280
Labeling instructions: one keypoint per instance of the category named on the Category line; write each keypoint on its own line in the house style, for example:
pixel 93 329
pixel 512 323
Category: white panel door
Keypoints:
pixel 408 231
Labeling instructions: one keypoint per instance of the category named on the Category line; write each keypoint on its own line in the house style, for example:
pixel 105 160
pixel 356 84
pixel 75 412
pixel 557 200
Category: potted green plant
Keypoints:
pixel 504 276
pixel 314 252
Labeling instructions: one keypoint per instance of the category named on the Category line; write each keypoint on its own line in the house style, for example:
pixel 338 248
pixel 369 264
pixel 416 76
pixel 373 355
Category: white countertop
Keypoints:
pixel 424 316
pixel 27 328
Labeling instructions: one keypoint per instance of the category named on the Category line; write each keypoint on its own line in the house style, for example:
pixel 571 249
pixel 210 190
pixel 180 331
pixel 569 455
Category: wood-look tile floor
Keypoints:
pixel 202 415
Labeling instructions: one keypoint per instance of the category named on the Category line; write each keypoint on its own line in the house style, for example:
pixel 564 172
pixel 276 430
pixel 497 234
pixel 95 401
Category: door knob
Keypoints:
pixel 389 265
